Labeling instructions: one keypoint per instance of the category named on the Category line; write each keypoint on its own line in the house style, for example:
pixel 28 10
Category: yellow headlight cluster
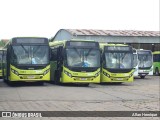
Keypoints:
pixel 14 71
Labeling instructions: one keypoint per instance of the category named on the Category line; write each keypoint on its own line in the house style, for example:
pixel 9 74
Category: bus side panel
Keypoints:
pixel 107 76
pixel 144 72
pixel 69 76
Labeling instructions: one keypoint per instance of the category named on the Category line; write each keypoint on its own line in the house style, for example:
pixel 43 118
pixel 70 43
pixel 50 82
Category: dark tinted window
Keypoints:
pixel 156 57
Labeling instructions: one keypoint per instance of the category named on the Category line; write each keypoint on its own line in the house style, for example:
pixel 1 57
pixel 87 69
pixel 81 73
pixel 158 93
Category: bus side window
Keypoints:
pixel 54 54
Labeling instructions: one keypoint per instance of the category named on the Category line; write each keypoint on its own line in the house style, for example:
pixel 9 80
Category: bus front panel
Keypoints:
pixel 107 76
pixel 69 76
pixel 29 75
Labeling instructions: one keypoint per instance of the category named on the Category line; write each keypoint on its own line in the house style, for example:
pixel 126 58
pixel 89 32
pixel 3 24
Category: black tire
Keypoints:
pixel 157 72
pixel 142 77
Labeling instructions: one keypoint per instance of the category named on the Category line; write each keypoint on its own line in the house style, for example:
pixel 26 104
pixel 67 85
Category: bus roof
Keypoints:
pixel 62 42
pixel 11 40
pixel 143 50
pixel 102 45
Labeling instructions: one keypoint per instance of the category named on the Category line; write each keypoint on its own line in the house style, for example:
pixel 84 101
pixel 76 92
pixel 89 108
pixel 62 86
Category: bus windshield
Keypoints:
pixel 118 60
pixel 34 54
pixel 145 59
pixel 78 57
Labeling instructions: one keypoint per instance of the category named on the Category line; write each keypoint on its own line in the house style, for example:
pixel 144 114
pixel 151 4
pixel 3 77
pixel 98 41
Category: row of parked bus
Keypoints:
pixel 33 59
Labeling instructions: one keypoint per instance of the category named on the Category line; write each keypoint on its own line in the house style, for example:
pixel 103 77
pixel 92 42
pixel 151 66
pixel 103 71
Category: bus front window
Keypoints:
pixel 83 57
pixel 145 59
pixel 116 60
pixel 30 54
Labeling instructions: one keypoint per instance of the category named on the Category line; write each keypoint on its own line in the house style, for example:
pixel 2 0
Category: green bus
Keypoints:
pixel 1 53
pixel 75 61
pixel 145 63
pixel 156 62
pixel 117 63
pixel 27 59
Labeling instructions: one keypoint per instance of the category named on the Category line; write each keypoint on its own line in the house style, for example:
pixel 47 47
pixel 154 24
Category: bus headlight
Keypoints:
pixel 106 74
pixel 131 74
pixel 97 74
pixel 45 72
pixel 67 73
pixel 14 71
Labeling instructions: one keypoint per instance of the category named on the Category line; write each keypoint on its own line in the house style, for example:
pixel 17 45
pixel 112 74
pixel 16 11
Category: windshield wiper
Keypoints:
pixel 24 48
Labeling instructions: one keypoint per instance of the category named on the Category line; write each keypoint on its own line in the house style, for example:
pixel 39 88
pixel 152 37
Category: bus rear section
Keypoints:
pixel 27 60
pixel 78 61
pixel 117 63
pixel 156 62
pixel 145 63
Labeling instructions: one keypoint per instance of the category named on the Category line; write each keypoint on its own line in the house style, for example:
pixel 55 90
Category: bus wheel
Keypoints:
pixel 157 72
pixel 142 77
pixel 57 78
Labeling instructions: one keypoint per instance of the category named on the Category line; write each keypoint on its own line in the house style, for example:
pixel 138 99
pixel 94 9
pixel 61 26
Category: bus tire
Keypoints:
pixel 157 72
pixel 142 77
pixel 57 78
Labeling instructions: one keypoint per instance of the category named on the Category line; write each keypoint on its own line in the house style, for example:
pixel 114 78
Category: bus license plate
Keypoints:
pixel 31 76
pixel 119 78
pixel 83 78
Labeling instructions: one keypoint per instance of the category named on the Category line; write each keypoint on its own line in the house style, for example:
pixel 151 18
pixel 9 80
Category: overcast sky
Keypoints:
pixel 45 17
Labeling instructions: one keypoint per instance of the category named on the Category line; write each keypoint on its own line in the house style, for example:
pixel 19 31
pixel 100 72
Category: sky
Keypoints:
pixel 43 18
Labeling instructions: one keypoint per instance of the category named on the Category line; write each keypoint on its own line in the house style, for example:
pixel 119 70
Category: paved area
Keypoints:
pixel 141 95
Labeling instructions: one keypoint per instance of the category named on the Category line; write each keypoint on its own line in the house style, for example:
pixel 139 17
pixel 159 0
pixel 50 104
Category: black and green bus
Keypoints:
pixel 27 59
pixel 75 61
